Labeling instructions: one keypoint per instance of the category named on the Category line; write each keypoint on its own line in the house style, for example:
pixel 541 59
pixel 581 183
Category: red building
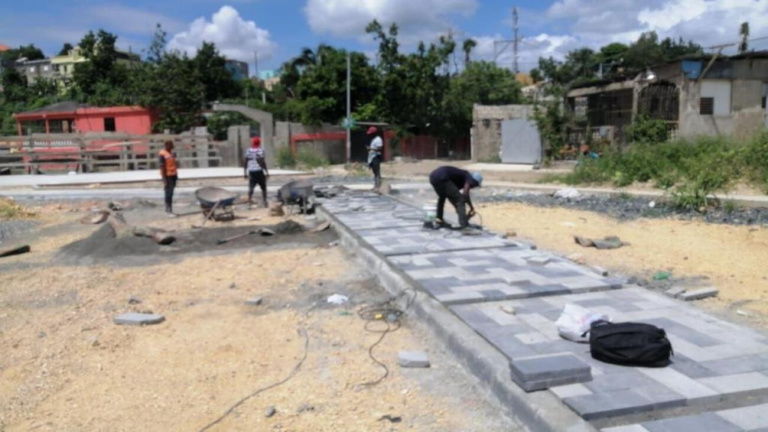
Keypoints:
pixel 71 117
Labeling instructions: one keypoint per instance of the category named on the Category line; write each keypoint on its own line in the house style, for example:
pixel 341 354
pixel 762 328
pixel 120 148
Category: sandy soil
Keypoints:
pixel 66 367
pixel 733 258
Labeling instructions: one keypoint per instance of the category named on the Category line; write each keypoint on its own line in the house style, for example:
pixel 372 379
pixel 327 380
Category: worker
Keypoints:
pixel 255 170
pixel 169 171
pixel 374 156
pixel 454 183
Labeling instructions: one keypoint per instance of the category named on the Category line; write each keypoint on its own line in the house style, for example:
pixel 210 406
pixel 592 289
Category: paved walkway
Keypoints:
pixel 511 294
pixel 125 177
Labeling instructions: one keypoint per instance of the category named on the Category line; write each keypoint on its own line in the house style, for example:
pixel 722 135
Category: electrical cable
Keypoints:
pixel 387 313
pixel 269 387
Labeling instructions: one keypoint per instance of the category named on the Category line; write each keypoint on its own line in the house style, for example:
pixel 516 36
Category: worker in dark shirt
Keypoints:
pixel 454 183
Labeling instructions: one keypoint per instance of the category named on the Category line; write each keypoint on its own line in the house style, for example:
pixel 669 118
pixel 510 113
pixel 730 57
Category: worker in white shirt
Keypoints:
pixel 374 156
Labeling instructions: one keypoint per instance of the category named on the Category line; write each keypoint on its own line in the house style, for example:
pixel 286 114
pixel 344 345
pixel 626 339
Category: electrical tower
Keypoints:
pixel 500 46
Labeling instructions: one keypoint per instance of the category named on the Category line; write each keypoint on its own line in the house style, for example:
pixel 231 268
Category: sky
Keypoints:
pixel 276 30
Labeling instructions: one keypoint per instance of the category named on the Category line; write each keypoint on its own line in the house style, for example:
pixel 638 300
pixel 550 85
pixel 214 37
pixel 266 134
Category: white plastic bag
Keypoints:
pixel 575 322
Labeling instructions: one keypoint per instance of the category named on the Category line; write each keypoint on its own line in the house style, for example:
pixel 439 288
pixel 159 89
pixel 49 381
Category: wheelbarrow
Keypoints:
pixel 216 203
pixel 298 193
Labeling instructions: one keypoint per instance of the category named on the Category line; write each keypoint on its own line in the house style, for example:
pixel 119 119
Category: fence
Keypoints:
pixel 89 152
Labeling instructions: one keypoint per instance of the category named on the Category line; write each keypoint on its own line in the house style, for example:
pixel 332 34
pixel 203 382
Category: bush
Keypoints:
pixel 647 130
pixel 309 158
pixel 754 158
pixel 285 158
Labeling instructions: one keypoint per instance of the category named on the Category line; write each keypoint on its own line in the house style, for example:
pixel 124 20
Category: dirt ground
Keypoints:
pixel 67 367
pixel 733 258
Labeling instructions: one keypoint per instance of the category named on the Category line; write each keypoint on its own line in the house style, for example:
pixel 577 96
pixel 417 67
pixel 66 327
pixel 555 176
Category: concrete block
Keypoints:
pixel 699 294
pixel 607 405
pixel 539 260
pixel 631 428
pixel 675 292
pixel 138 319
pixel 413 359
pixel 255 301
pixel 599 270
pixel 540 372
pixel 738 383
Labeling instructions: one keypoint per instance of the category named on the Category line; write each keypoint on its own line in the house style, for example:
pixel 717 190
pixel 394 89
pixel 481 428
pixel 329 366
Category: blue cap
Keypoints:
pixel 478 178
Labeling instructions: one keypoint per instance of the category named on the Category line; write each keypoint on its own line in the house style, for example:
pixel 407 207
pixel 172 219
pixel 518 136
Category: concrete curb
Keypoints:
pixel 538 411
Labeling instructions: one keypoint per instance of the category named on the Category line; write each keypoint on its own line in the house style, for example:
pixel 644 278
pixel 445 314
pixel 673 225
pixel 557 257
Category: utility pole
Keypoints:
pixel 349 84
pixel 516 41
pixel 256 63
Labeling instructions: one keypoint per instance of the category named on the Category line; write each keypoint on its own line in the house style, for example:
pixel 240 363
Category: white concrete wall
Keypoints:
pixel 721 92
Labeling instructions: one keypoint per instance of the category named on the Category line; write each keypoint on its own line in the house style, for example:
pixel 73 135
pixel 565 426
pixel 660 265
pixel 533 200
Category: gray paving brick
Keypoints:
pixel 675 292
pixel 737 365
pixel 750 418
pixel 689 367
pixel 540 372
pixel 628 379
pixel 631 428
pixel 661 396
pixel 413 359
pixel 737 384
pixel 708 422
pixel 611 404
pixel 698 294
pixel 571 390
pixel 678 382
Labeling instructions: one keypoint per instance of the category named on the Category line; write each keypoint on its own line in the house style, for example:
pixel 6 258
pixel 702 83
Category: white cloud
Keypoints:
pixel 234 37
pixel 417 19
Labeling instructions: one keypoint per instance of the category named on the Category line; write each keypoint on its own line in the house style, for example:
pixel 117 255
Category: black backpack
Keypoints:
pixel 630 344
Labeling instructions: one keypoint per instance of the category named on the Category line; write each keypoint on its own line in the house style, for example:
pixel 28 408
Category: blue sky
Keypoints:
pixel 278 29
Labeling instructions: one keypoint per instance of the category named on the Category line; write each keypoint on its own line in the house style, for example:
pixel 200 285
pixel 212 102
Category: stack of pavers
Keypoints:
pixel 512 295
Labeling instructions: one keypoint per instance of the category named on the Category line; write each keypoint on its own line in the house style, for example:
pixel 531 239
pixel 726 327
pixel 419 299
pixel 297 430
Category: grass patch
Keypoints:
pixel 285 158
pixel 310 159
pixel 357 169
pixel 10 210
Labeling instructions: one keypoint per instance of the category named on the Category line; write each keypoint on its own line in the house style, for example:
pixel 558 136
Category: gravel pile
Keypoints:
pixel 629 208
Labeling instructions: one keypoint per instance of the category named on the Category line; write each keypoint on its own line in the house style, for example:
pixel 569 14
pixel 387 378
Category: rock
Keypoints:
pixel 741 312
pixel 577 258
pixel 134 300
pixel 271 411
pixel 138 319
pixel 338 299
pixel 608 243
pixel 391 419
pixel 567 194
pixel 699 294
pixel 232 285
pixel 583 241
pixel 333 243
pixel 255 301
pixel 510 233
pixel 601 271
pixel 539 260
pixel 675 292
pixel 413 359
pixel 306 407
pixel 93 341
pixel 42 334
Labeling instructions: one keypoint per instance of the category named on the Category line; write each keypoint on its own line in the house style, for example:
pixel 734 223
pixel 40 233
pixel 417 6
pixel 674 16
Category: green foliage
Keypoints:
pixel 66 48
pixel 647 130
pixel 101 72
pixel 754 159
pixel 219 122
pixel 29 52
pixel 285 158
pixel 309 158
pixel 551 122
pixel 211 72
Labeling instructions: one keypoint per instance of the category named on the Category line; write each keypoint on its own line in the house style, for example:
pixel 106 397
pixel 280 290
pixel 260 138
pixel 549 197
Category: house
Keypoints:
pixel 35 69
pixel 238 69
pixel 703 95
pixel 64 65
pixel 71 117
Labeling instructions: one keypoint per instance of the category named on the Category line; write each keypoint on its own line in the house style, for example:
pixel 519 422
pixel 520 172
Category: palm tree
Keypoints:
pixel 744 33
pixel 467 47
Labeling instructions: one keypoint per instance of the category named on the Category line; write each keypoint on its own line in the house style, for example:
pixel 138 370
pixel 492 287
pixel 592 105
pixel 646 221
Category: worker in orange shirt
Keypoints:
pixel 169 171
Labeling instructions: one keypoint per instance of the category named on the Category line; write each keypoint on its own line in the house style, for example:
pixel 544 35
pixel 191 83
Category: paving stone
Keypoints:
pixel 138 319
pixel 699 294
pixel 708 422
pixel 538 373
pixel 539 260
pixel 255 301
pixel 571 390
pixel 413 359
pixel 748 418
pixel 612 404
pixel 739 383
pixel 631 428
pixel 675 292
pixel 678 382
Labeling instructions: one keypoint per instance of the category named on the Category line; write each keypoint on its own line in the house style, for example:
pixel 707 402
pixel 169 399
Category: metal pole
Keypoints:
pixel 515 67
pixel 349 82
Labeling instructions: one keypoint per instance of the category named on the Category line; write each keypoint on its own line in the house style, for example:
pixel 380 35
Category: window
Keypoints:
pixel 109 124
pixel 707 106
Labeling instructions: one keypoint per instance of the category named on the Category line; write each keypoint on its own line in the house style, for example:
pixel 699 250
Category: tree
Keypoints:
pixel 583 62
pixel 100 66
pixel 744 33
pixel 536 76
pixel 467 47
pixel 14 85
pixel 211 71
pixel 66 49
pixel 29 52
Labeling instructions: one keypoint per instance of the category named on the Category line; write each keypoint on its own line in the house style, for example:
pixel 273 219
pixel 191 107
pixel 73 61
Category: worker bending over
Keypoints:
pixel 455 183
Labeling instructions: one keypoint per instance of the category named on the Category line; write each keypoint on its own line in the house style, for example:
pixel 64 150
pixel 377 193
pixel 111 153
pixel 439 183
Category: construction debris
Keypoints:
pixel 237 237
pixel 255 301
pixel 675 292
pixel 14 251
pixel 138 319
pixel 338 299
pixel 567 194
pixel 610 242
pixel 320 228
pixel 95 218
pixel 123 229
pixel 276 210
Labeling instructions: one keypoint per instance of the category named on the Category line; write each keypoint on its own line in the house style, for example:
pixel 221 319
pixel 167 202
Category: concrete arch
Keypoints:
pixel 266 121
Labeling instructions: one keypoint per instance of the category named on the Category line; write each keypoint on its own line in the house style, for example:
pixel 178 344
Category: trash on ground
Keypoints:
pixel 662 275
pixel 255 301
pixel 741 312
pixel 567 193
pixel 609 242
pixel 413 359
pixel 14 251
pixel 96 218
pixel 575 322
pixel 391 419
pixel 338 299
pixel 320 228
